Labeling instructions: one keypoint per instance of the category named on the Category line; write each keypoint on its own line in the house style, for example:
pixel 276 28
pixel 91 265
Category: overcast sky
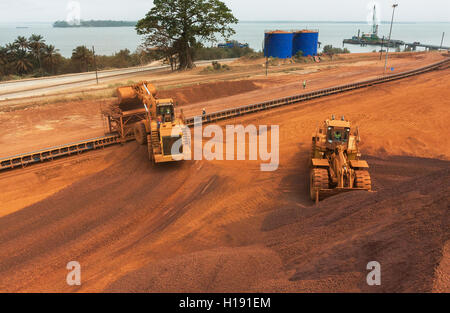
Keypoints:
pixel 245 10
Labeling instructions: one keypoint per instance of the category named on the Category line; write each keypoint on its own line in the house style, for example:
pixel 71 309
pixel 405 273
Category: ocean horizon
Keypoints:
pixel 109 40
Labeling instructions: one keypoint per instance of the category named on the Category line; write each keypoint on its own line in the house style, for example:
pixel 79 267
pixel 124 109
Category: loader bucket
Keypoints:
pixel 128 98
pixel 325 193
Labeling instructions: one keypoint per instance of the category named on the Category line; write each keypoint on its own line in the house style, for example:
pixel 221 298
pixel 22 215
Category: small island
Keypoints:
pixel 94 23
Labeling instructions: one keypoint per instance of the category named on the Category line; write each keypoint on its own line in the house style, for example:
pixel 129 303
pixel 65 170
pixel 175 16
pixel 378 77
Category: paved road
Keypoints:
pixel 42 86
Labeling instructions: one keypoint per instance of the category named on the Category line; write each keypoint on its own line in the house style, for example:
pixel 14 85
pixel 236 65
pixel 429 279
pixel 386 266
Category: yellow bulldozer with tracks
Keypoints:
pixel 336 164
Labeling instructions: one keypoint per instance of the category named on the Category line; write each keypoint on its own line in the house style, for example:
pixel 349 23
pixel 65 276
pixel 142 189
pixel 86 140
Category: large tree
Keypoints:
pixel 175 26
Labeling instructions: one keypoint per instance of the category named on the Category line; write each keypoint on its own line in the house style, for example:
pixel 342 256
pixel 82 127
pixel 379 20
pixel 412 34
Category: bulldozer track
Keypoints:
pixel 54 153
pixel 318 181
pixel 363 180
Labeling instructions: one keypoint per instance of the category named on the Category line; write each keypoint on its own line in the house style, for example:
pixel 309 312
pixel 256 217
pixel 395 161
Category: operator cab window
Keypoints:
pixel 166 111
pixel 338 134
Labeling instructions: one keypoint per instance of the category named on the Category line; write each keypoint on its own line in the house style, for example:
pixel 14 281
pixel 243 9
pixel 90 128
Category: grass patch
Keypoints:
pixel 215 67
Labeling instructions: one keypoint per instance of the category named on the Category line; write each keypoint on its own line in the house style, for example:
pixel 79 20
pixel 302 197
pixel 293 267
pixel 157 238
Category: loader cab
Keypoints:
pixel 338 134
pixel 166 111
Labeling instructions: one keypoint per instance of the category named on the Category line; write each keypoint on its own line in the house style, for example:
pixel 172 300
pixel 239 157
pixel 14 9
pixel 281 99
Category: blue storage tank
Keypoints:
pixel 278 44
pixel 305 41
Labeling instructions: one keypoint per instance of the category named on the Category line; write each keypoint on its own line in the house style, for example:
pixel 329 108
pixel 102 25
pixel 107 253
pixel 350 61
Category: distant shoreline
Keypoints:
pixel 31 24
pixel 94 23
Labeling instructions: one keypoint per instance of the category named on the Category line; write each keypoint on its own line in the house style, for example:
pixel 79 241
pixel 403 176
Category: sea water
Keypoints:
pixel 108 40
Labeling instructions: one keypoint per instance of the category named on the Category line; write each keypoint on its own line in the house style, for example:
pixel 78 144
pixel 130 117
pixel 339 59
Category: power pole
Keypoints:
pixel 266 55
pixel 390 33
pixel 95 64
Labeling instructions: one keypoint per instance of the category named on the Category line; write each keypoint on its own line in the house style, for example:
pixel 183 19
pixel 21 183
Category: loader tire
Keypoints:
pixel 318 181
pixel 140 133
pixel 363 180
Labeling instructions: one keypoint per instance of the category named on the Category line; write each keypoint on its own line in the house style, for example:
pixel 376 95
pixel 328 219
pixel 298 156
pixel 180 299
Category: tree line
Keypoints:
pixel 32 57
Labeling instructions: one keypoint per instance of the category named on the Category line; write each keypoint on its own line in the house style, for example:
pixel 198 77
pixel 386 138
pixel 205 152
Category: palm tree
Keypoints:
pixel 4 53
pixel 18 57
pixel 49 55
pixel 12 48
pixel 36 44
pixel 22 43
pixel 4 58
pixel 82 55
pixel 22 62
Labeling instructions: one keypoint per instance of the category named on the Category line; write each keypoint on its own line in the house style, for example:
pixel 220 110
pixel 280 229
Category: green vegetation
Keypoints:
pixel 330 50
pixel 299 58
pixel 298 55
pixel 93 23
pixel 216 67
pixel 177 27
pixel 32 57
pixel 213 53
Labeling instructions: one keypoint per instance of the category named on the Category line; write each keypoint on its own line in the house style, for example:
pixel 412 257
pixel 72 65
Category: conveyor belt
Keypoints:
pixel 23 160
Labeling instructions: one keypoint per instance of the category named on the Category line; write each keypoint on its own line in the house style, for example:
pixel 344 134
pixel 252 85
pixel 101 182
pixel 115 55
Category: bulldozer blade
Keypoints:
pixel 325 193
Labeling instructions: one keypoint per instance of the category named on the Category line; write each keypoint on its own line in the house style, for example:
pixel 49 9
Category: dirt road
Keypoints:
pixel 226 226
pixel 17 89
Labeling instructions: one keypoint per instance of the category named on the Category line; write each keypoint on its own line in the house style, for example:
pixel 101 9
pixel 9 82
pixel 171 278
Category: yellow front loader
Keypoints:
pixel 162 131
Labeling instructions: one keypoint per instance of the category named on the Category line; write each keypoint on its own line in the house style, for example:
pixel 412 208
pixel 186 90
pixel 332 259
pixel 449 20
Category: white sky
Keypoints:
pixel 245 10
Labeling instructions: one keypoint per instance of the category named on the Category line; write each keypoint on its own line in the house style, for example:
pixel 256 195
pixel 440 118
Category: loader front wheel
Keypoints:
pixel 363 180
pixel 318 181
pixel 140 133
